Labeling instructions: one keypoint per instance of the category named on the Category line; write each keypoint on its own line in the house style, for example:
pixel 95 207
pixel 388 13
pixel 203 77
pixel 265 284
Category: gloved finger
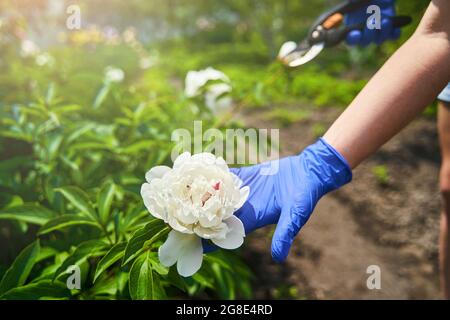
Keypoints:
pixel 354 37
pixel 385 32
pixel 287 228
pixel 389 11
pixel 368 36
pixel 208 246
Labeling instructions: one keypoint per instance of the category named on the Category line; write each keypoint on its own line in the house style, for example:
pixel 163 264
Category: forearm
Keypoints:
pixel 408 82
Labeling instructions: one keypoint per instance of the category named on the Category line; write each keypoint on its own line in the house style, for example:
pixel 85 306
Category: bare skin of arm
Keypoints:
pixel 408 82
pixel 444 239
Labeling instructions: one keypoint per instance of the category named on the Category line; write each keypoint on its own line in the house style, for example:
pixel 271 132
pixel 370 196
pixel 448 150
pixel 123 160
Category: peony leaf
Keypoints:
pixel 112 256
pixel 79 200
pixel 19 271
pixel 101 96
pixel 176 280
pixel 144 237
pixel 30 213
pixel 84 251
pixel 104 200
pixel 156 265
pixel 38 290
pixel 65 221
pixel 144 284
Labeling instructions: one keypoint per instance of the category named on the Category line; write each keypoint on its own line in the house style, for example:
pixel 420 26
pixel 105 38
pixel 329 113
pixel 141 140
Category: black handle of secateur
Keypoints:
pixel 336 36
pixel 342 8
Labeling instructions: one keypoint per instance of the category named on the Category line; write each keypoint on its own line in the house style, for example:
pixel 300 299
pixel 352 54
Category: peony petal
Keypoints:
pixel 213 74
pixel 217 232
pixel 185 216
pixel 195 80
pixel 150 203
pixel 222 164
pixel 191 84
pixel 245 191
pixel 204 157
pixel 178 226
pixel 235 236
pixel 191 257
pixel 182 158
pixel 215 98
pixel 171 250
pixel 156 172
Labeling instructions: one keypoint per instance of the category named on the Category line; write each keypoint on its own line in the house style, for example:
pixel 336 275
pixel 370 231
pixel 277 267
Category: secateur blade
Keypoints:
pixel 293 55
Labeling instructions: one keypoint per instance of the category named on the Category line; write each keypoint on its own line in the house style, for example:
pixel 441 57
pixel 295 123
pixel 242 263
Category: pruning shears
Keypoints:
pixel 328 31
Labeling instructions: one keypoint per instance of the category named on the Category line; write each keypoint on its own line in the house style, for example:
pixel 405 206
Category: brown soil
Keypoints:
pixel 394 226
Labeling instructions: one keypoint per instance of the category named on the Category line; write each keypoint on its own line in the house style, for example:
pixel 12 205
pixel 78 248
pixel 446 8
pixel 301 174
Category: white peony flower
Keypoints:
pixel 216 98
pixel 215 94
pixel 113 74
pixel 28 49
pixel 44 59
pixel 197 198
pixel 196 80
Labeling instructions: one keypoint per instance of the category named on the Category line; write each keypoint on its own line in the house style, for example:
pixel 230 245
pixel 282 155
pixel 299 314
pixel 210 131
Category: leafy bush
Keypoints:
pixel 73 158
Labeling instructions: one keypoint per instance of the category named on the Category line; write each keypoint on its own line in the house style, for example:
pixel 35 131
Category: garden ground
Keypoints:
pixel 388 216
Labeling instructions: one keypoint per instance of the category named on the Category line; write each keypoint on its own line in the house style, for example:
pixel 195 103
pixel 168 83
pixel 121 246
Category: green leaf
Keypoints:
pixel 38 290
pixel 204 280
pixel 15 163
pixel 48 272
pixel 137 147
pixel 84 251
pixel 104 200
pixel 156 265
pixel 50 93
pixel 134 216
pixel 79 200
pixel 101 96
pixel 80 131
pixel 53 145
pixel 112 256
pixel 68 108
pixel 216 257
pixel 143 238
pixel 90 145
pixel 144 284
pixel 19 271
pixel 66 221
pixel 106 287
pixel 223 287
pixel 31 213
pixel 45 253
pixel 17 135
pixel 176 280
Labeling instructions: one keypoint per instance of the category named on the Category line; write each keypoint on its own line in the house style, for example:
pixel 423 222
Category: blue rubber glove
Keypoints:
pixel 288 194
pixel 366 37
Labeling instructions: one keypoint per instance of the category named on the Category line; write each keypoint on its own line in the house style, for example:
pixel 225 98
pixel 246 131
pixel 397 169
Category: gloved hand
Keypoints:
pixel 286 191
pixel 367 36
